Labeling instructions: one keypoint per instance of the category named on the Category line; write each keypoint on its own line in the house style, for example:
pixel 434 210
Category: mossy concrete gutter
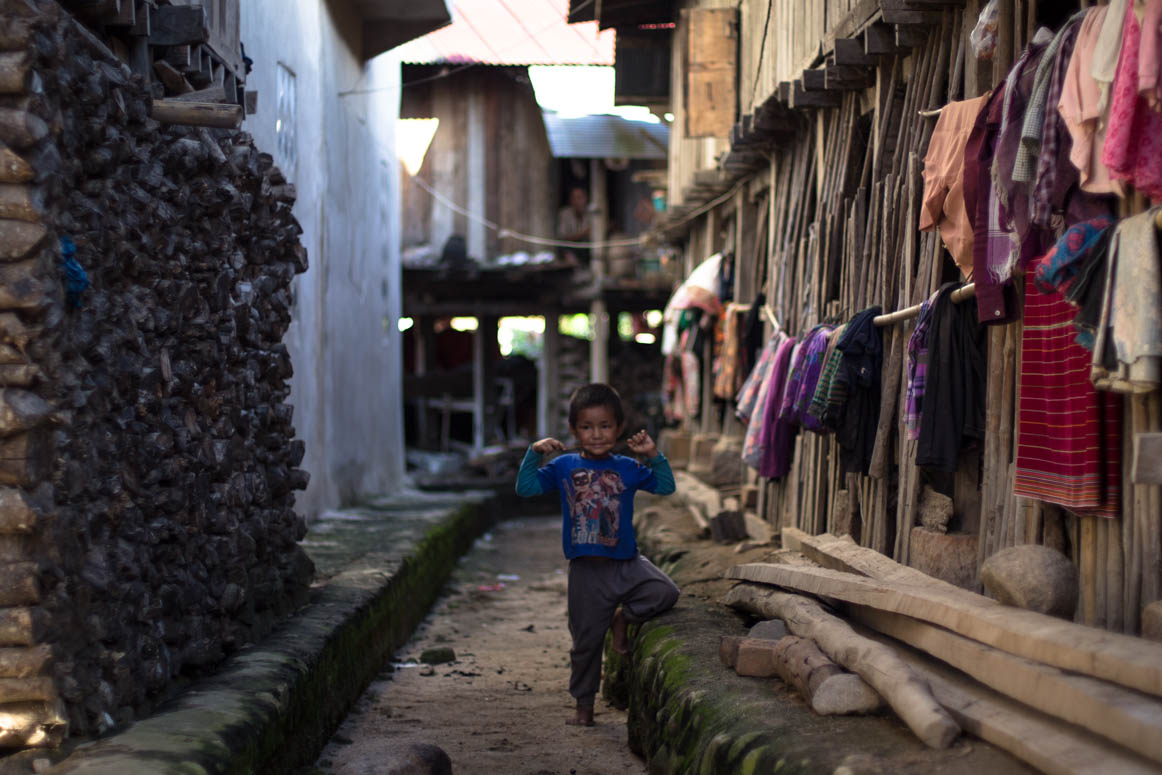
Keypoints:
pixel 273 706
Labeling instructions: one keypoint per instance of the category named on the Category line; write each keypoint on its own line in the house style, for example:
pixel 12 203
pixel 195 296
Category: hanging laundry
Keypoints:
pixel 858 378
pixel 804 379
pixel 752 334
pixel 1080 109
pixel 1026 242
pixel 952 411
pixel 917 367
pixel 825 395
pixel 728 361
pixel 1055 182
pixel 752 440
pixel 1039 103
pixel 748 394
pixel 1069 434
pixel 943 205
pixel 1131 327
pixel 1133 146
pixel 1106 52
pixel 1150 55
pixel 996 298
pixel 776 442
pixel 1074 268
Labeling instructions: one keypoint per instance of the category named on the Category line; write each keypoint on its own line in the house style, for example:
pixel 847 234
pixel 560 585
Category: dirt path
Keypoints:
pixel 501 706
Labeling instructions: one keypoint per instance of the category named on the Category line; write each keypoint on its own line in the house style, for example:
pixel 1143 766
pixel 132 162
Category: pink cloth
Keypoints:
pixel 1150 54
pixel 1133 147
pixel 1080 108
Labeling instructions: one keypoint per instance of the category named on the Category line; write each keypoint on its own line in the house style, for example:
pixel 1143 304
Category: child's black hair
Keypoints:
pixel 595 394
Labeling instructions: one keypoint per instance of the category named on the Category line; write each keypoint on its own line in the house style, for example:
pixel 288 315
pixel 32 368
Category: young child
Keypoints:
pixel 610 583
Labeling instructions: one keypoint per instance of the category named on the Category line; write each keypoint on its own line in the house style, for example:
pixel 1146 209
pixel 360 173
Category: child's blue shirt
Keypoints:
pixel 596 498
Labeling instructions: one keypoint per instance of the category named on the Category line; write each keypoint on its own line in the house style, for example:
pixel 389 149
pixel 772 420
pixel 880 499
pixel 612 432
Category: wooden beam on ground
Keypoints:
pixel 1132 662
pixel 875 663
pixel 1122 716
pixel 1043 742
pixel 842 553
pixel 211 114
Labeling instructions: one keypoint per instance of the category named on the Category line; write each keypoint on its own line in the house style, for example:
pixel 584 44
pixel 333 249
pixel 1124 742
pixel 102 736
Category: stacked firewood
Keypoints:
pixel 148 460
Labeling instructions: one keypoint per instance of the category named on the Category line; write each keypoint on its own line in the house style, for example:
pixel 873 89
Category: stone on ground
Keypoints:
pixel 949 557
pixel 1033 577
pixel 771 629
pixel 845 694
pixel 438 655
pixel 1152 621
pixel 408 759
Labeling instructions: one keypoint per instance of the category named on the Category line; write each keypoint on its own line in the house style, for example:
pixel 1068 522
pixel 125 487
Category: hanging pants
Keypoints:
pixel 597 586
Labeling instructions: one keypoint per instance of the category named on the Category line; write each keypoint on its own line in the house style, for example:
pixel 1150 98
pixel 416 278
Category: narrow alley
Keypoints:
pixel 580 387
pixel 500 704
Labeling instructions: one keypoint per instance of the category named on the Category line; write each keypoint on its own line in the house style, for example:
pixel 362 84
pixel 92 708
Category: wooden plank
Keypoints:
pixel 876 664
pixel 1122 716
pixel 211 114
pixel 712 53
pixel 1131 662
pixel 838 77
pixel 1147 465
pixel 850 52
pixel 1043 742
pixel 880 40
pixel 841 553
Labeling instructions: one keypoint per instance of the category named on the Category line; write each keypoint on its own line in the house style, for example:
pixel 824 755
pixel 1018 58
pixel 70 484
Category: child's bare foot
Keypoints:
pixel 620 639
pixel 583 717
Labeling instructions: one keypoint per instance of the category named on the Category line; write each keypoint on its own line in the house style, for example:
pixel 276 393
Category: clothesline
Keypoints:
pixel 959 295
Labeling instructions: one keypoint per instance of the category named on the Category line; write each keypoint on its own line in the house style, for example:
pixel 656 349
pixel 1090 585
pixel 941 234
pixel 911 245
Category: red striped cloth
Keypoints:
pixel 1069 448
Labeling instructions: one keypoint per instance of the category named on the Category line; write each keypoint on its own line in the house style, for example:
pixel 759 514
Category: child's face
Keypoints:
pixel 596 430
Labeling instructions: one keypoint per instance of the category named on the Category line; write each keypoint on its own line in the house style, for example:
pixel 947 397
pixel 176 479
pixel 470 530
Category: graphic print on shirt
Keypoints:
pixel 594 498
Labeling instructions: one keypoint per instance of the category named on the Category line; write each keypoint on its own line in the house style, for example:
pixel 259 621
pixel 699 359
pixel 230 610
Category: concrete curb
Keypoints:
pixel 273 706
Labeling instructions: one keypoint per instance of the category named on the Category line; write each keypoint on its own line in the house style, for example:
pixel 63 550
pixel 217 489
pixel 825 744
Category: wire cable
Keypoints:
pixel 505 233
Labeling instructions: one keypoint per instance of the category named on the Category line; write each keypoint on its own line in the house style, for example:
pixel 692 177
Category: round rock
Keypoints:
pixel 1032 577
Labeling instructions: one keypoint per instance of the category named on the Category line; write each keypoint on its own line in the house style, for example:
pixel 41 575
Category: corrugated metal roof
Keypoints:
pixel 605 137
pixel 512 32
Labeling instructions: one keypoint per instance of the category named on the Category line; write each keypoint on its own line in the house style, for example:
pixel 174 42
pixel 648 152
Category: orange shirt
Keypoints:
pixel 943 206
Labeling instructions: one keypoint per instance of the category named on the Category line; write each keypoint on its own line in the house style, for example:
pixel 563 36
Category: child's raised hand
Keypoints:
pixel 547 445
pixel 641 444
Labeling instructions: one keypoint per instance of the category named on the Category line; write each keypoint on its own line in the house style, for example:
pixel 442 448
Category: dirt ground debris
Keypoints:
pixel 501 706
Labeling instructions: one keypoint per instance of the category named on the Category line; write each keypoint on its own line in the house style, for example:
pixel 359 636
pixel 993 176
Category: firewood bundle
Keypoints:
pixel 147 457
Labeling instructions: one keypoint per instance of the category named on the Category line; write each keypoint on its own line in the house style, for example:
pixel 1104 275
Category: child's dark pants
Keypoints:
pixel 597 586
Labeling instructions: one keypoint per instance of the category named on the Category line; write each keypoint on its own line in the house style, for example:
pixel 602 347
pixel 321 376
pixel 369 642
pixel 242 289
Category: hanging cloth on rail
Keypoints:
pixel 917 368
pixel 943 206
pixel 858 378
pixel 752 440
pixel 804 377
pixel 1069 435
pixel 1133 146
pixel 953 407
pixel 1080 109
pixel 749 393
pixel 996 298
pixel 825 395
pixel 1130 331
pixel 775 442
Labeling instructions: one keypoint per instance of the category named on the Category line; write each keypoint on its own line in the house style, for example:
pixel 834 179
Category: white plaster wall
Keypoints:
pixel 344 341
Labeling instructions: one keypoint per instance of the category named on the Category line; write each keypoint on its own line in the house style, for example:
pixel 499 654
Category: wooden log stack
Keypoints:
pixel 1064 697
pixel 147 458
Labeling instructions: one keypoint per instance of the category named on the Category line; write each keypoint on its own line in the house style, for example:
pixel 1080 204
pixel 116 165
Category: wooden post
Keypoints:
pixel 483 400
pixel 599 201
pixel 549 378
pixel 425 338
pixel 599 347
